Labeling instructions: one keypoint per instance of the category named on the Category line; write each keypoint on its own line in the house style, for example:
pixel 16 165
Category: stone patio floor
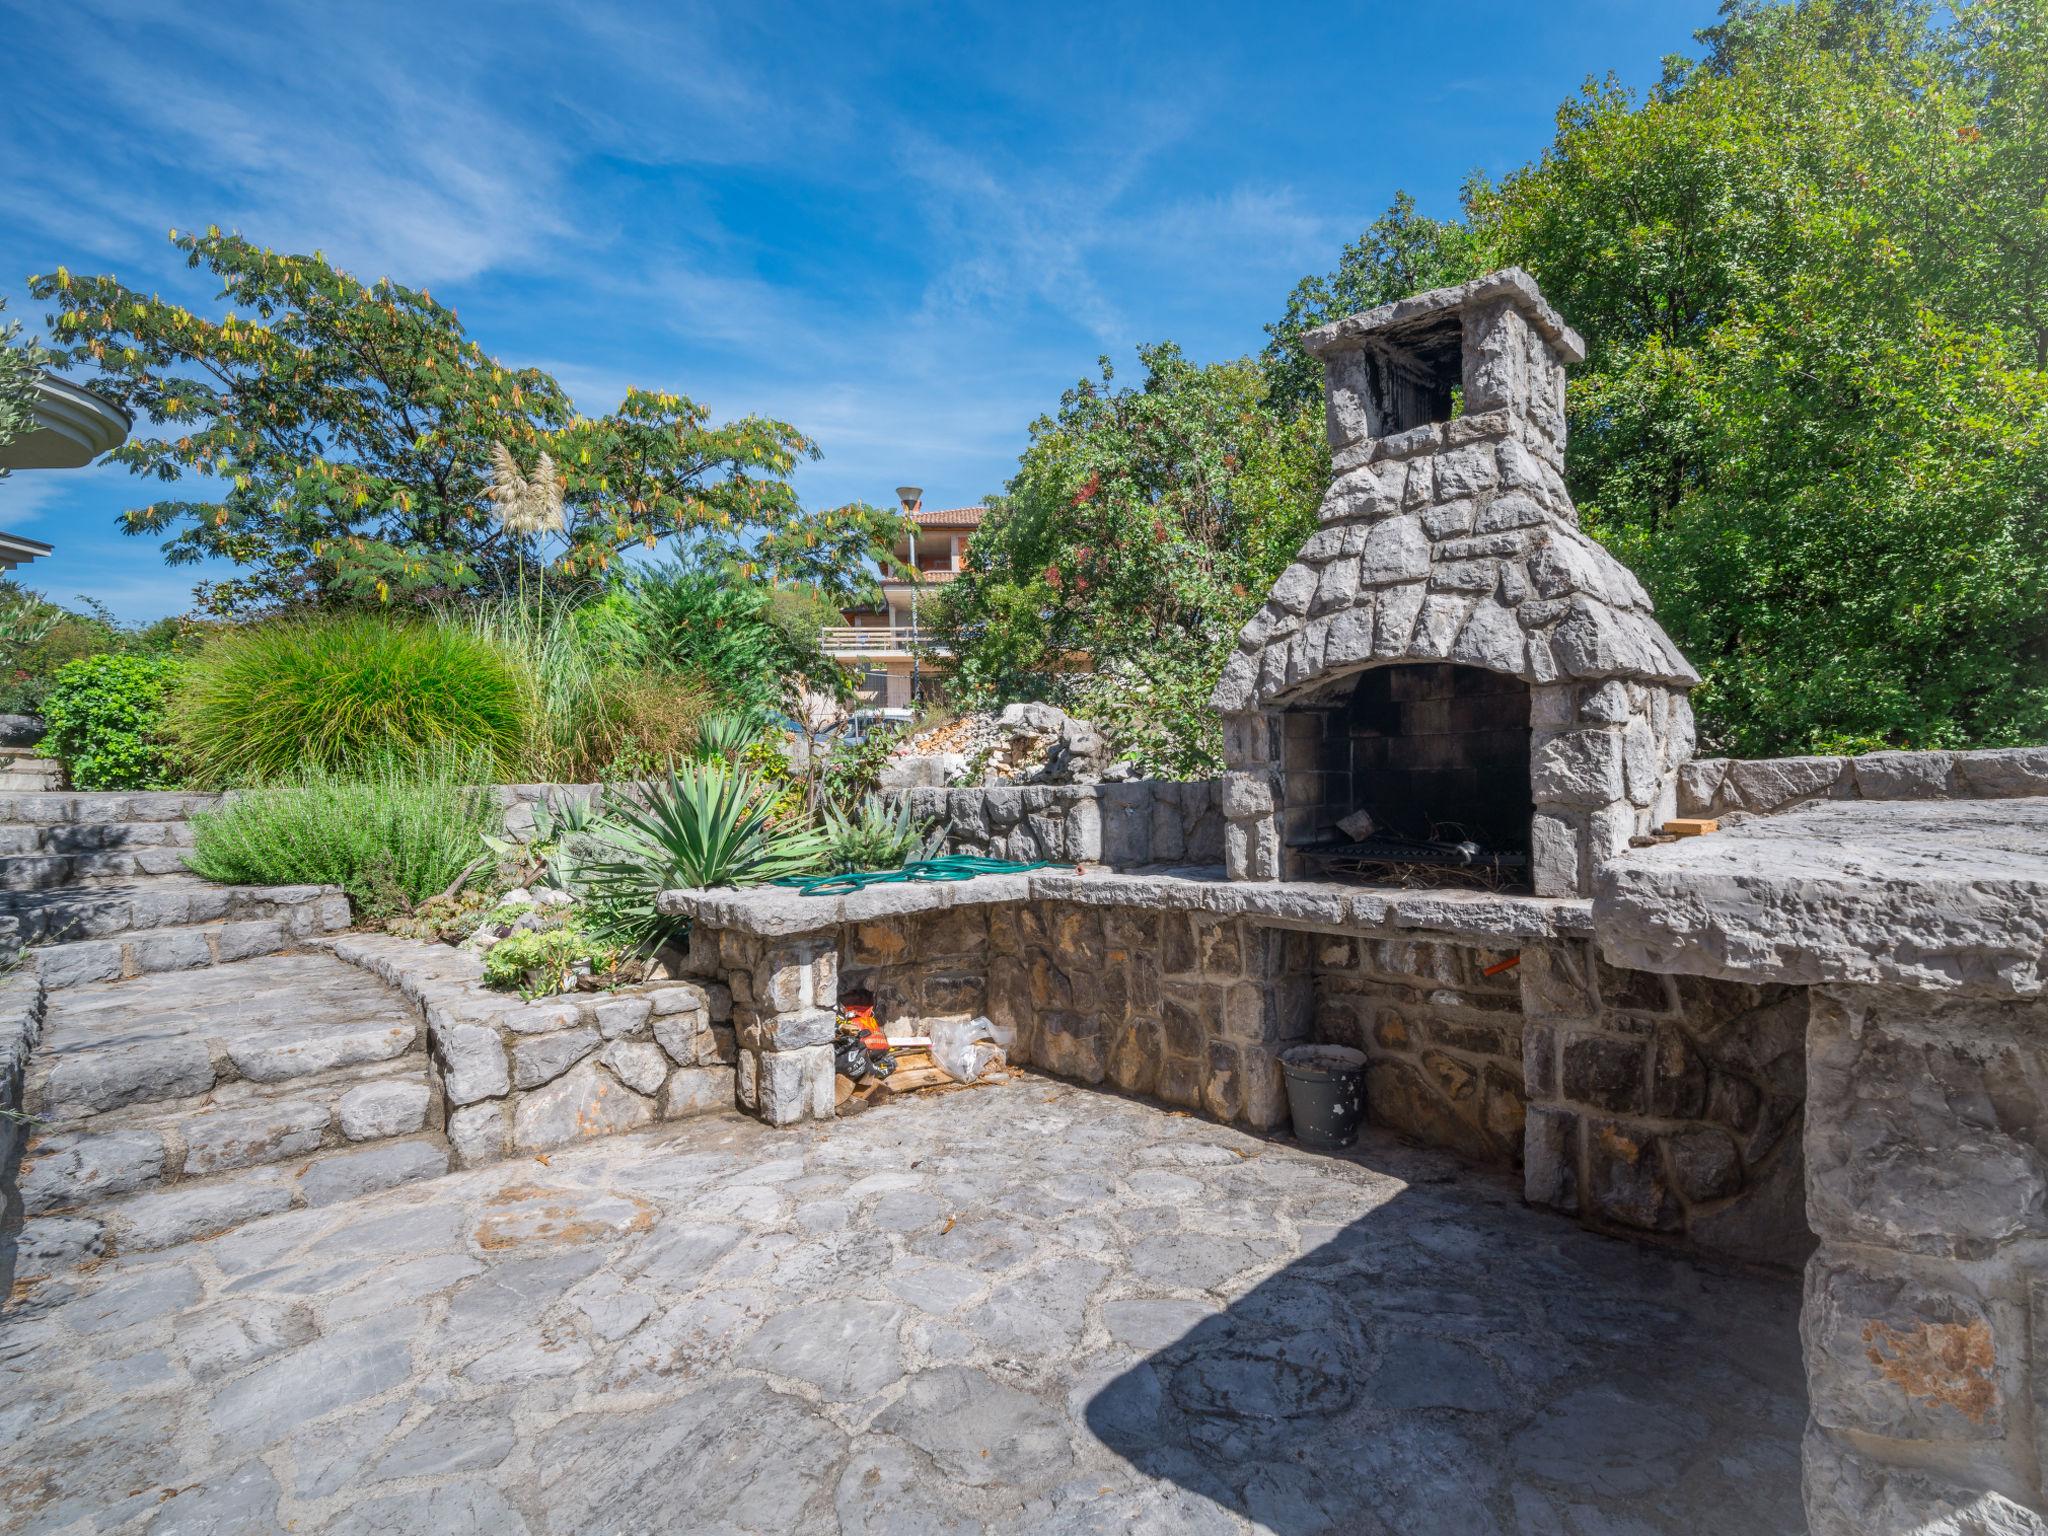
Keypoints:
pixel 1027 1308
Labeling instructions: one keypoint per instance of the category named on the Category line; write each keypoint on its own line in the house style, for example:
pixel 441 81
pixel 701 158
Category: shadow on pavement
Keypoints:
pixel 1450 1363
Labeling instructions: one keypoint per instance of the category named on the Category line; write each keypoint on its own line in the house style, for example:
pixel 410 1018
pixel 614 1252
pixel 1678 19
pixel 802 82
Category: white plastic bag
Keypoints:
pixel 966 1048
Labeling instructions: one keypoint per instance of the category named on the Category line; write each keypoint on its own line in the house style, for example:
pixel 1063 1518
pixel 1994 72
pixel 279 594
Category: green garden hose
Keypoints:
pixel 956 866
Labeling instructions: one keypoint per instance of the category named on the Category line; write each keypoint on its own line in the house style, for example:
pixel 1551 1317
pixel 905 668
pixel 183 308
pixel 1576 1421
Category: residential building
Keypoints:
pixel 887 645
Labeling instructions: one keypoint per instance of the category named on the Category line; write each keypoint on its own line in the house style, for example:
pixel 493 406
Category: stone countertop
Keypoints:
pixel 1324 906
pixel 777 912
pixel 1941 895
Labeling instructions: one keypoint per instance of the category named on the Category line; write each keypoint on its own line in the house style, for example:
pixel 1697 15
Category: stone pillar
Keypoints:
pixel 1250 797
pixel 784 994
pixel 1926 1309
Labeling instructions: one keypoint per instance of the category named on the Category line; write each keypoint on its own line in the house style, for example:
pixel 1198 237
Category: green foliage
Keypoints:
pixel 1401 252
pixel 876 835
pixel 443 919
pixel 1142 527
pixel 704 824
pixel 853 769
pixel 537 962
pixel 38 637
pixel 596 715
pixel 744 642
pixel 390 836
pixel 1810 267
pixel 106 720
pixel 726 735
pixel 340 692
pixel 564 827
pixel 20 362
pixel 350 426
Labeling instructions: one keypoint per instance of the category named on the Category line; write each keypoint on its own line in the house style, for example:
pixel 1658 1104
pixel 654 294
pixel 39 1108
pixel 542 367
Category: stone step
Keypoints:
pixel 27 760
pixel 92 836
pixel 113 909
pixel 201 1208
pixel 154 951
pixel 42 871
pixel 180 1036
pixel 243 1123
pixel 31 781
pixel 139 805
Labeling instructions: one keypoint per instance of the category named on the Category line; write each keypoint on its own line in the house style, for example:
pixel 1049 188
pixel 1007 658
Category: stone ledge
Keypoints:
pixel 524 1076
pixel 776 912
pixel 1937 895
pixel 1317 906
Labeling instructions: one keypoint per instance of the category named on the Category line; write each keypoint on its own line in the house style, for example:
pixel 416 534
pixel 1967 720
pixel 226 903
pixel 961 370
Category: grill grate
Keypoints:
pixel 1398 861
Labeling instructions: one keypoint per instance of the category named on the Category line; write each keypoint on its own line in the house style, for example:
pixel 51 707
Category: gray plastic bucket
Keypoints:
pixel 1325 1093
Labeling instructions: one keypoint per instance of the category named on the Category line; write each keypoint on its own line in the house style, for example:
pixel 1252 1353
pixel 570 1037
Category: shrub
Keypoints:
pixel 877 835
pixel 105 719
pixel 742 640
pixel 539 961
pixel 705 824
pixel 390 837
pixel 341 693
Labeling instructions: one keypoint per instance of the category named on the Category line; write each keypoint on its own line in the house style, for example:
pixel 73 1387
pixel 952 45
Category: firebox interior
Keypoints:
pixel 1434 753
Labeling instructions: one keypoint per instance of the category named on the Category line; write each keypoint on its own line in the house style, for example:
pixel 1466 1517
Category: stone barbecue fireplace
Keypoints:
pixel 1449 652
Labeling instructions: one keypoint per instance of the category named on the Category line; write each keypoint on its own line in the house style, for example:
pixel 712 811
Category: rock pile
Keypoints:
pixel 1022 744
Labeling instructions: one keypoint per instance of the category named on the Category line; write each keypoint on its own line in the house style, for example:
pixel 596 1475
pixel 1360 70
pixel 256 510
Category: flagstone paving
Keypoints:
pixel 1031 1308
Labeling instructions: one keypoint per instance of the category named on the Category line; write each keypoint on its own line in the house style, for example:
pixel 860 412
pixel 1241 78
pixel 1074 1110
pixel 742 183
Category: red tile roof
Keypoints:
pixel 949 517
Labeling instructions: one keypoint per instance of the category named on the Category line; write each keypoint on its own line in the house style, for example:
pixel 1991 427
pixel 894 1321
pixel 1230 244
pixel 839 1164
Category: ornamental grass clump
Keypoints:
pixel 595 716
pixel 345 693
pixel 391 837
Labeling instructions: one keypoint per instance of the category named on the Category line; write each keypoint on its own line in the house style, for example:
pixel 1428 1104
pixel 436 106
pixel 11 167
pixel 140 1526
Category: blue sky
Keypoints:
pixel 904 229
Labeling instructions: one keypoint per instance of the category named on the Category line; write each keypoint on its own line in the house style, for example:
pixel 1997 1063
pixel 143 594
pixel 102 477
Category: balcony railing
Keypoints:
pixel 850 640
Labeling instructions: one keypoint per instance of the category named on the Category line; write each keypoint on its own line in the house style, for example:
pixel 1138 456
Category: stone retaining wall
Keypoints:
pixel 1146 821
pixel 1443 1041
pixel 520 1077
pixel 1666 1104
pixel 1719 786
pixel 21 1025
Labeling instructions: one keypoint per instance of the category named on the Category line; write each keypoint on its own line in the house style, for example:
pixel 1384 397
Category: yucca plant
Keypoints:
pixel 704 824
pixel 723 736
pixel 877 835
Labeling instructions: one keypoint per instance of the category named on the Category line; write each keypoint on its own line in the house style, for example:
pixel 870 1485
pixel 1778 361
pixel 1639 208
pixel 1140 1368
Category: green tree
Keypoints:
pixel 743 641
pixel 341 432
pixel 20 362
pixel 1142 527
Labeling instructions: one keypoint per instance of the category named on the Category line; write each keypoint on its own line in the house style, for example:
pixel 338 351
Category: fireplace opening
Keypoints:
pixel 1436 756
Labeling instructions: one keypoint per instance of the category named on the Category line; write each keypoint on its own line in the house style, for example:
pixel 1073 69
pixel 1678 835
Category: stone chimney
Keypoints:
pixel 1448 540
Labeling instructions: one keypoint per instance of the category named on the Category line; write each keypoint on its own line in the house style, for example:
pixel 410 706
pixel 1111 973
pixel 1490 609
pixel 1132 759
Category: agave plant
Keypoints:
pixel 877 835
pixel 706 824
